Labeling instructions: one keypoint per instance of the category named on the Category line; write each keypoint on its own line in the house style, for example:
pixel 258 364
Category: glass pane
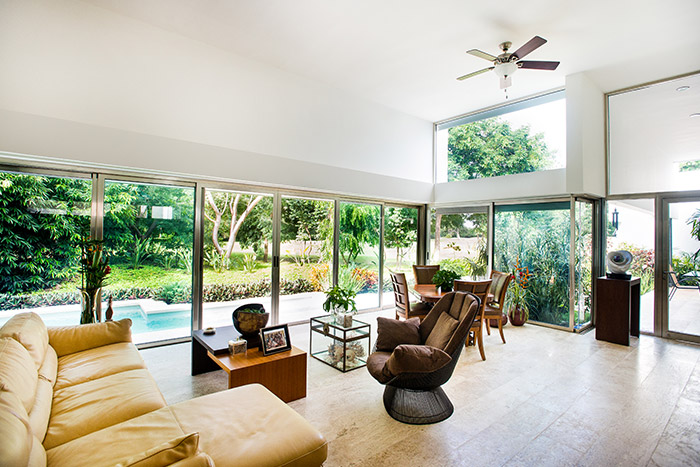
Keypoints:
pixel 237 254
pixel 684 283
pixel 359 252
pixel 306 266
pixel 400 246
pixel 523 140
pixel 537 237
pixel 630 226
pixel 583 263
pixel 459 243
pixel 148 233
pixel 42 222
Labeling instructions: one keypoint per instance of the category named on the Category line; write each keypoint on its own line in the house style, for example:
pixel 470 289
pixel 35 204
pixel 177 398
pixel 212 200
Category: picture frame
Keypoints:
pixel 275 339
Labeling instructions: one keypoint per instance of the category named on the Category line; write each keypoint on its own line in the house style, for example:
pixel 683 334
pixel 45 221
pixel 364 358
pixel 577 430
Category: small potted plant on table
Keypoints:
pixel 340 302
pixel 444 280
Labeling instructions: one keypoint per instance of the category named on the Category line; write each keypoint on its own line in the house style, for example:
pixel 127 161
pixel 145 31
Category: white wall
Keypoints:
pixel 111 81
pixel 585 136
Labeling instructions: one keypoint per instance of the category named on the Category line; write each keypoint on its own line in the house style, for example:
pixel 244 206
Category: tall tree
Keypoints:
pixel 228 210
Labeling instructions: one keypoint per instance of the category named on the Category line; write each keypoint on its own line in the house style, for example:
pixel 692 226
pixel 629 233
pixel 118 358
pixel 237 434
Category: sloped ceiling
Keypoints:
pixel 406 54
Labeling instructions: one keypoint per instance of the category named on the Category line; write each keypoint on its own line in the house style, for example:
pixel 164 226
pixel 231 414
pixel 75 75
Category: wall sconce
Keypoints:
pixel 615 219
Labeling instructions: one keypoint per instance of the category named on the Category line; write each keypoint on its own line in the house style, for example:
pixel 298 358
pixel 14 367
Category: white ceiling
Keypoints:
pixel 406 54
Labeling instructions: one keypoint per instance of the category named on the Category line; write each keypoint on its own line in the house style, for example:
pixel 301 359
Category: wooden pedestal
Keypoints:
pixel 617 309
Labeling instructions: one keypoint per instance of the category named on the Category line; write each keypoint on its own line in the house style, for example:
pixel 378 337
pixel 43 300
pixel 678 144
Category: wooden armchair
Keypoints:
pixel 496 308
pixel 481 290
pixel 424 273
pixel 404 308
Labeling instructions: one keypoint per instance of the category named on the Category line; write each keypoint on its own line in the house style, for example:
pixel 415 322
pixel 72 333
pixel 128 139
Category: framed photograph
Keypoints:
pixel 275 339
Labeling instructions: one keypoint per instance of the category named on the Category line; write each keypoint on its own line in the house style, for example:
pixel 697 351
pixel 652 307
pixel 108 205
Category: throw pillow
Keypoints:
pixel 442 331
pixel 415 359
pixel 165 454
pixel 392 332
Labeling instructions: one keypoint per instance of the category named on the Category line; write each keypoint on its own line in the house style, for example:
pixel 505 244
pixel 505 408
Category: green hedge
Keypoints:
pixel 171 293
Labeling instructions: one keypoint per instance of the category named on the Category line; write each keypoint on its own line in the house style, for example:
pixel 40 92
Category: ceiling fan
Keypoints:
pixel 507 63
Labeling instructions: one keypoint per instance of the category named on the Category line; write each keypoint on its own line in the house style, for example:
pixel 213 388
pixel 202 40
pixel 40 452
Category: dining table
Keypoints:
pixel 430 294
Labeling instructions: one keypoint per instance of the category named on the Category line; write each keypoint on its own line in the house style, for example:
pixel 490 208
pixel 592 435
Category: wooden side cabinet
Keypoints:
pixel 617 309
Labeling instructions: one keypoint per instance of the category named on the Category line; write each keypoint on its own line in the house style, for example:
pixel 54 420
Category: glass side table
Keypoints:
pixel 343 348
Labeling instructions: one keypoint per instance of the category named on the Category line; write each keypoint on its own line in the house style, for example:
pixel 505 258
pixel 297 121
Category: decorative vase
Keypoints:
pixel 444 288
pixel 89 303
pixel 249 323
pixel 344 319
pixel 517 317
pixel 494 323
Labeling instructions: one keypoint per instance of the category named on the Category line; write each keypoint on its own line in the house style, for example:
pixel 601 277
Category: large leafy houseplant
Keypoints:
pixel 445 279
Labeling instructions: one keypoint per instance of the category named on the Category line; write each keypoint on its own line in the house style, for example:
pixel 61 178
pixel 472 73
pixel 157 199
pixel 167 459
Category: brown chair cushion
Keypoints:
pixel 392 332
pixel 375 365
pixel 442 331
pixel 415 359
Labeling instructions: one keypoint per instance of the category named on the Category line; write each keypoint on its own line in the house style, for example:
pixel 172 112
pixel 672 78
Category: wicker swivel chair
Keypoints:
pixel 481 290
pixel 404 308
pixel 496 308
pixel 424 273
pixel 413 373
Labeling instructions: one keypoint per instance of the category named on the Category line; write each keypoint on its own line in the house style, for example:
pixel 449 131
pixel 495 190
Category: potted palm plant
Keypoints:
pixel 340 302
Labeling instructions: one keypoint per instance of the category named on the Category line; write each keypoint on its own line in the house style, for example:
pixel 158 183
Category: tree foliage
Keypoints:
pixel 490 148
pixel 42 221
pixel 400 230
pixel 359 227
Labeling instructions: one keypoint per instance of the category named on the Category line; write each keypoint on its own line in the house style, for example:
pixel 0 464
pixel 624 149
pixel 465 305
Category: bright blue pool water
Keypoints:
pixel 140 324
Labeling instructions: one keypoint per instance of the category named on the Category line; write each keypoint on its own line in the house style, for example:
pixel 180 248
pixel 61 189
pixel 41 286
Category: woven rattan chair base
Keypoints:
pixel 417 407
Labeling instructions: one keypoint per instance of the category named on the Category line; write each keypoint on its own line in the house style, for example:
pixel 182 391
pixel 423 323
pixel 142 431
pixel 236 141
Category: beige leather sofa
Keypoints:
pixel 82 396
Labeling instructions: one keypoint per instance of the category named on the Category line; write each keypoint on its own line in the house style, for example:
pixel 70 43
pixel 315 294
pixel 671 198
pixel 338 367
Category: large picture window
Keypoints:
pixel 525 136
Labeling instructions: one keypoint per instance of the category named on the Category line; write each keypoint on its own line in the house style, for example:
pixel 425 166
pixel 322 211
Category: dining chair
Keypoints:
pixel 496 307
pixel 424 273
pixel 481 290
pixel 404 308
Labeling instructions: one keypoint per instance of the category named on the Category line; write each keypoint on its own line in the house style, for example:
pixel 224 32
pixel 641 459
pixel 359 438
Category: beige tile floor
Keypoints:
pixel 545 398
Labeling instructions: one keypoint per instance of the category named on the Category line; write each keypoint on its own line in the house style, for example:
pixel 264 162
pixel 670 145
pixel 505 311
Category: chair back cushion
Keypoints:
pixel 442 331
pixel 499 286
pixel 392 332
pixel 424 273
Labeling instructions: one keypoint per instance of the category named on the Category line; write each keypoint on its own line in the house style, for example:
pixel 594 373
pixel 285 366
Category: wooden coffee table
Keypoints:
pixel 282 373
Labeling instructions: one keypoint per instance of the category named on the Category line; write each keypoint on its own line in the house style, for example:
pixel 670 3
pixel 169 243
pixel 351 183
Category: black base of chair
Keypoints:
pixel 417 407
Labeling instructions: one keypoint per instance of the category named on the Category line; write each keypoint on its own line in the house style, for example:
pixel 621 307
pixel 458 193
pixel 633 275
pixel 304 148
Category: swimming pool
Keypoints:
pixel 141 323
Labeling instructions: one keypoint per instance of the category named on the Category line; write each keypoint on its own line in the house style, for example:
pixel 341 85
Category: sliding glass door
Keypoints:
pixel 400 246
pixel 148 234
pixel 236 253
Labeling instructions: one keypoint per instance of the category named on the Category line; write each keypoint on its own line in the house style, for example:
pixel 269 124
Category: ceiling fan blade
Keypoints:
pixel 531 45
pixel 461 78
pixel 480 54
pixel 538 65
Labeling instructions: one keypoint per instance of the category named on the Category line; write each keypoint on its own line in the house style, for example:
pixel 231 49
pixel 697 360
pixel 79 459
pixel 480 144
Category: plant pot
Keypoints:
pixel 445 288
pixel 89 306
pixel 494 323
pixel 517 317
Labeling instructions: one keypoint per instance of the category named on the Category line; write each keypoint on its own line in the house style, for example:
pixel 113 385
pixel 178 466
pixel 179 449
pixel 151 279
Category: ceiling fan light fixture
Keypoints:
pixel 504 72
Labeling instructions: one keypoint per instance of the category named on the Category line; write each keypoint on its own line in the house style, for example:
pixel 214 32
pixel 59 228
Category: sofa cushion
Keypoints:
pixel 83 408
pixel 249 426
pixel 200 459
pixel 18 371
pixel 443 330
pixel 392 332
pixel 415 359
pixel 29 330
pixel 87 365
pixel 166 453
pixel 70 339
pixel 124 440
pixel 15 433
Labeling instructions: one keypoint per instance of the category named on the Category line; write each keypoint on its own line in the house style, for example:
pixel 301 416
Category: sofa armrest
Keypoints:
pixel 70 339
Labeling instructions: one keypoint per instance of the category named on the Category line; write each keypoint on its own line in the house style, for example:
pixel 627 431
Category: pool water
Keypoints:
pixel 140 322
